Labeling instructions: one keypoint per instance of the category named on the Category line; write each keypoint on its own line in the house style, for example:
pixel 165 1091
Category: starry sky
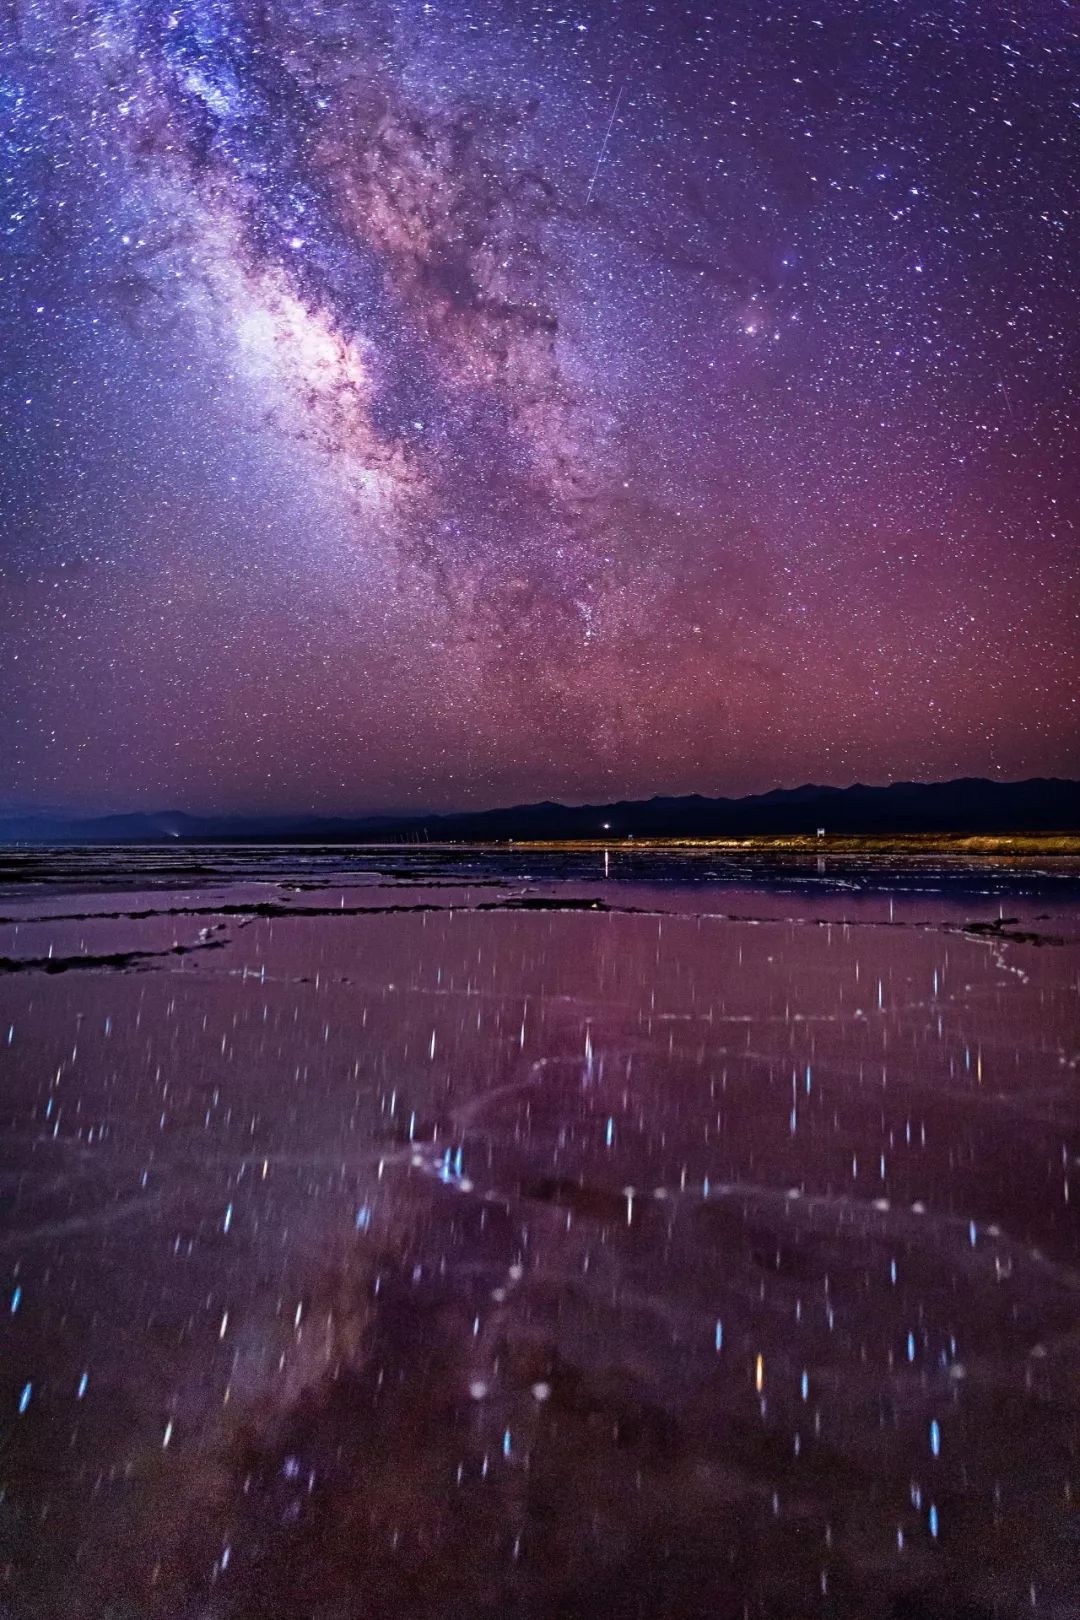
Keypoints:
pixel 453 403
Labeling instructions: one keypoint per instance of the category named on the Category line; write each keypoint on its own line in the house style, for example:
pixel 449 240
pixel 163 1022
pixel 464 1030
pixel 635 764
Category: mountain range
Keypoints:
pixel 967 805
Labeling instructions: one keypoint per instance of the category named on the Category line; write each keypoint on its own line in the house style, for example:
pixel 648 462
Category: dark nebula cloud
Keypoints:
pixel 437 403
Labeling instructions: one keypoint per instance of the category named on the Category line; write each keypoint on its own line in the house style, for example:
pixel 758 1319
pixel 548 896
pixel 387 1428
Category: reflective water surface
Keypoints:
pixel 442 1234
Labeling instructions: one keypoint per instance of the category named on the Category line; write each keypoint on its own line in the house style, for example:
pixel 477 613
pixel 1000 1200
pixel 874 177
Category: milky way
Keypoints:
pixel 443 403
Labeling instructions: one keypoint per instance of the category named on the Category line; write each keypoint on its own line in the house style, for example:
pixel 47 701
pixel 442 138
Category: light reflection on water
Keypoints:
pixel 425 1253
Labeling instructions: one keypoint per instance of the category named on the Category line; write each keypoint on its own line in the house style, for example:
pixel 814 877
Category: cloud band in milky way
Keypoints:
pixel 388 269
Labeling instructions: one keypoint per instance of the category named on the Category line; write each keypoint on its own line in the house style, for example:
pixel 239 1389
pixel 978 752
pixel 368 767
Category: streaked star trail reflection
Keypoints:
pixel 409 1234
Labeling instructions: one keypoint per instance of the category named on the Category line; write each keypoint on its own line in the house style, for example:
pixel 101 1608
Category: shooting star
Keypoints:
pixel 604 144
pixel 1008 401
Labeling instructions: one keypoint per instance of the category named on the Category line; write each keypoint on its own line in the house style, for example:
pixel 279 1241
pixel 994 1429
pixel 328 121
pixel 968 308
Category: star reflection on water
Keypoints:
pixel 463 1238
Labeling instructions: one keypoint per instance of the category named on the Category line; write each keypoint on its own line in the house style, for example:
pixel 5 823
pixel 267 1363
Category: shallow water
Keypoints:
pixel 442 1233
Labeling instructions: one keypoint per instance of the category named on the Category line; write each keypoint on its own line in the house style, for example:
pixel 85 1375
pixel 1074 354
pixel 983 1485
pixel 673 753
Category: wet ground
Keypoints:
pixel 425 1233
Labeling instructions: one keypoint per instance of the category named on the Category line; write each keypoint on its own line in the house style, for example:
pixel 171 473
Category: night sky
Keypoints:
pixel 446 404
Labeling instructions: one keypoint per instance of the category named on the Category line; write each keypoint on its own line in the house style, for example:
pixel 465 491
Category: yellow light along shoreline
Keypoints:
pixel 993 846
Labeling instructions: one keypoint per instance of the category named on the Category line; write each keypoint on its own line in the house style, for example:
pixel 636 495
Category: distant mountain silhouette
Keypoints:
pixel 968 805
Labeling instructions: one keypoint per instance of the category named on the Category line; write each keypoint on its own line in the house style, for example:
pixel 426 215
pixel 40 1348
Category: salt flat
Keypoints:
pixel 430 1232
